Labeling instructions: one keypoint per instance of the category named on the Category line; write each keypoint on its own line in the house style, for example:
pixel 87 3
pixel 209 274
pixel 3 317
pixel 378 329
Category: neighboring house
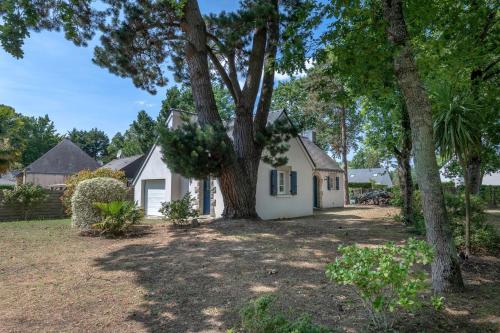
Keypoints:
pixel 328 177
pixel 282 192
pixel 129 165
pixel 379 176
pixel 492 179
pixel 9 178
pixel 65 159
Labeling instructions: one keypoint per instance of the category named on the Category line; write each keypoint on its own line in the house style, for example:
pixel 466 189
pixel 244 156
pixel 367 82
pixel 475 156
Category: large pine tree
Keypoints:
pixel 140 39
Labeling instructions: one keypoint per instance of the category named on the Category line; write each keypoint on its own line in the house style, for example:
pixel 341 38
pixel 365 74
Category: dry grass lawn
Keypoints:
pixel 195 280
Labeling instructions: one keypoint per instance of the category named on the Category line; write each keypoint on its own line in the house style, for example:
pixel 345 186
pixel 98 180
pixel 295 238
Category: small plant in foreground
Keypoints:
pixel 258 316
pixel 385 277
pixel 28 196
pixel 179 211
pixel 117 217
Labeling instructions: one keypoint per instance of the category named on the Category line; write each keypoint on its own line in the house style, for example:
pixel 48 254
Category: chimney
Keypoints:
pixel 310 134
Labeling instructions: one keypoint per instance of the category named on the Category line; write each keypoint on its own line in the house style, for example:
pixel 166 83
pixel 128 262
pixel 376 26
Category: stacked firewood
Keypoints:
pixel 379 198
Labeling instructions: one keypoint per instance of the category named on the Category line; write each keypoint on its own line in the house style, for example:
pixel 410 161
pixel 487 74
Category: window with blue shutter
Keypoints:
pixel 328 183
pixel 274 182
pixel 337 183
pixel 293 183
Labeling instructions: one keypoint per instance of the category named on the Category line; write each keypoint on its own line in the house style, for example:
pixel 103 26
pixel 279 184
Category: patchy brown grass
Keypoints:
pixel 195 280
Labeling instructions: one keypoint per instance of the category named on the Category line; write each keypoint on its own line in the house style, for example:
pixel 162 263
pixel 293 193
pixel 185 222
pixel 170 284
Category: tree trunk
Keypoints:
pixel 467 208
pixel 238 181
pixel 403 157
pixel 446 274
pixel 344 154
pixel 474 173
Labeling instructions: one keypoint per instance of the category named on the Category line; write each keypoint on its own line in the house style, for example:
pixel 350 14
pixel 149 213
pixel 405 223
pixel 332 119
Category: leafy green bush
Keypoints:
pixel 384 277
pixel 90 191
pixel 28 196
pixel 6 187
pixel 258 316
pixel 117 217
pixel 75 179
pixel 179 211
pixel 484 237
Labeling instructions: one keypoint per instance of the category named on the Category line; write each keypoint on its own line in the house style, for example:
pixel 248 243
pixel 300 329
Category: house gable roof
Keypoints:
pixel 272 117
pixel 321 159
pixel 65 158
pixel 130 165
pixel 379 175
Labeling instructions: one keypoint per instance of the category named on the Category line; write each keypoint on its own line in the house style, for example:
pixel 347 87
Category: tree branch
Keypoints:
pixel 255 65
pixel 223 74
pixel 266 92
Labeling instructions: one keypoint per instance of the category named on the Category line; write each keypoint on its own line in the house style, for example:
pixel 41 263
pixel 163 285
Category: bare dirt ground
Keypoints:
pixel 195 280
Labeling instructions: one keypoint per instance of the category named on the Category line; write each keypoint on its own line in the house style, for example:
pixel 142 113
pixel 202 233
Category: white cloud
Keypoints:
pixel 144 104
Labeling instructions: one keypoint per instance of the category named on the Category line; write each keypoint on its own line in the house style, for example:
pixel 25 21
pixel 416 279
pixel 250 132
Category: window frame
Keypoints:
pixel 281 187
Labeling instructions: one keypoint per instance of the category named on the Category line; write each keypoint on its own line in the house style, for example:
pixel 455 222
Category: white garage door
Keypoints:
pixel 154 190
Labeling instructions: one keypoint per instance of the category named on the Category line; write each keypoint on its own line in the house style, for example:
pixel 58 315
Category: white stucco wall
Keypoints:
pixel 333 197
pixel 281 206
pixel 154 168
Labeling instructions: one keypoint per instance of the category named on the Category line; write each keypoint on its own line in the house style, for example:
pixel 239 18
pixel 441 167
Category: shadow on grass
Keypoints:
pixel 197 279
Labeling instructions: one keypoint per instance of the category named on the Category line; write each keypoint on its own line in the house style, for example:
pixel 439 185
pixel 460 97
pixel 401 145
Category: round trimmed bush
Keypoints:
pixel 90 191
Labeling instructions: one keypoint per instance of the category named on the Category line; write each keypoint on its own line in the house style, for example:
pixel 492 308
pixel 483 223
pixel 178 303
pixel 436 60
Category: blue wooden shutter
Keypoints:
pixel 328 183
pixel 293 182
pixel 274 182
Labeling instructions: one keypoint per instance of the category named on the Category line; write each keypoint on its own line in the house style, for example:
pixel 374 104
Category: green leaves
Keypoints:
pixel 179 211
pixel 117 216
pixel 196 151
pixel 384 277
pixel 275 140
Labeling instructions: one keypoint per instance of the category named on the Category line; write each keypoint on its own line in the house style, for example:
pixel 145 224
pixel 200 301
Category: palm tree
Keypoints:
pixel 456 129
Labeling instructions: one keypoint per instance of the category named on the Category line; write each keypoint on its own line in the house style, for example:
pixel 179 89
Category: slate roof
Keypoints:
pixel 379 175
pixel 130 165
pixel 65 158
pixel 320 158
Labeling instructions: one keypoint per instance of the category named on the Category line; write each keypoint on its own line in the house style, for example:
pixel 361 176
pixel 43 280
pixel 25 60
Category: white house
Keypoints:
pixel 310 179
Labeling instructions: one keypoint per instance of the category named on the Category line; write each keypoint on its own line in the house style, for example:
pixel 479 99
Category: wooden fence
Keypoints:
pixel 49 209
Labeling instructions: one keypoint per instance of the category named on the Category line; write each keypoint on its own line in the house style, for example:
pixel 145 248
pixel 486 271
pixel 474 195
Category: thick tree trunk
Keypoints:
pixel 474 173
pixel 238 181
pixel 344 154
pixel 403 157
pixel 446 274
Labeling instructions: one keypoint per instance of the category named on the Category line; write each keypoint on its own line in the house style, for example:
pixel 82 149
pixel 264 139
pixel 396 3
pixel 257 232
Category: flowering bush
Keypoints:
pixel 28 196
pixel 90 191
pixel 73 181
pixel 384 277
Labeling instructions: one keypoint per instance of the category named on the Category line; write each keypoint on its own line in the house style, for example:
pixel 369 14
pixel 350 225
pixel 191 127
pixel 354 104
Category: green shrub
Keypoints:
pixel 72 181
pixel 117 217
pixel 90 191
pixel 259 316
pixel 384 277
pixel 28 196
pixel 6 187
pixel 179 211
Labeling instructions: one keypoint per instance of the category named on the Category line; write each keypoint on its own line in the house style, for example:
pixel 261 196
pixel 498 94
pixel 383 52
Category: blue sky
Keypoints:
pixel 59 79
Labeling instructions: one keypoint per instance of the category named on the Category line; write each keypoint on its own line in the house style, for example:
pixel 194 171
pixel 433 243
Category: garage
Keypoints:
pixel 154 195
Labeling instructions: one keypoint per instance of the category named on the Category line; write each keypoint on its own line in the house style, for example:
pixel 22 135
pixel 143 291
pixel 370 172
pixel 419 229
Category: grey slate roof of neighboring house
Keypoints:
pixel 320 158
pixel 65 158
pixel 379 175
pixel 130 165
